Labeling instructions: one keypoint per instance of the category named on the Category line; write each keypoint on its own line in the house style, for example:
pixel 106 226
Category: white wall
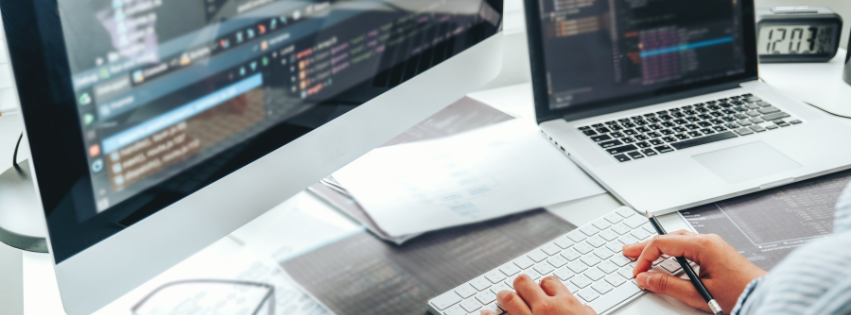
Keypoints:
pixel 8 99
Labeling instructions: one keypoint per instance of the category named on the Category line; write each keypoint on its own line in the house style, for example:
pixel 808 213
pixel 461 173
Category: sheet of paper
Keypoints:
pixel 225 278
pixel 474 176
pixel 361 275
pixel 766 226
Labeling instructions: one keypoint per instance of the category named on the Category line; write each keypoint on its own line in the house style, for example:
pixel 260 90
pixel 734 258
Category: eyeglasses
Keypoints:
pixel 209 296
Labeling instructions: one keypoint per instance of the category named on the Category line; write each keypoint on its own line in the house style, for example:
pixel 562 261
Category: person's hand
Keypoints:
pixel 549 298
pixel 723 270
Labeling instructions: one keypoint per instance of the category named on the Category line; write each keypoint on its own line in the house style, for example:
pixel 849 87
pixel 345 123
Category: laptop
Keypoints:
pixel 661 103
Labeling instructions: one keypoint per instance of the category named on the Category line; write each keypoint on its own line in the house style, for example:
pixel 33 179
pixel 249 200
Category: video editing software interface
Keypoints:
pixel 600 50
pixel 163 85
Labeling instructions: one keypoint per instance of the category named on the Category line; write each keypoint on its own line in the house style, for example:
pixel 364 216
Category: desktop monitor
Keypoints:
pixel 157 127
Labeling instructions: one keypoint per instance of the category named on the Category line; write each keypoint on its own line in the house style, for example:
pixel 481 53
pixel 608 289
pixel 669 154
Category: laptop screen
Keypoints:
pixel 606 51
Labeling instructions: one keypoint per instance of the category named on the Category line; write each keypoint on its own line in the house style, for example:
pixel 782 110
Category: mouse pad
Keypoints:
pixel 362 275
pixel 746 162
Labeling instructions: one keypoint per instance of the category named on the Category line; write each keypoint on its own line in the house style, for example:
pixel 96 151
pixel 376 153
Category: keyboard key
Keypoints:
pixel 577 267
pixel 609 235
pixel 471 305
pixel 602 287
pixel 500 287
pixel 537 255
pixel 635 155
pixel 769 110
pixel 494 308
pixel 588 295
pixel 531 273
pixel 640 234
pixel 523 262
pixel 628 239
pixel 615 247
pixel 699 141
pixel 625 212
pixel 557 261
pixel 615 279
pixel 795 122
pixel 509 269
pixel 576 236
pixel 594 274
pixel 495 276
pixel 649 152
pixel 544 268
pixel 607 267
pixel 601 138
pixel 583 248
pixel 621 229
pixel 596 241
pixel 617 296
pixel 649 228
pixel 663 149
pixel 609 144
pixel 584 128
pixel 622 158
pixel 564 242
pixel 589 132
pixel 621 149
pixel 775 116
pixel 671 266
pixel 590 260
pixel 603 130
pixel 635 221
pixel 480 283
pixel 564 274
pixel 620 260
pixel 744 131
pixel 603 253
pixel 466 290
pixel 602 224
pixel 551 249
pixel 445 300
pixel 626 272
pixel 455 310
pixel 589 230
pixel 613 218
pixel 486 297
pixel 570 254
pixel 581 281
pixel 757 128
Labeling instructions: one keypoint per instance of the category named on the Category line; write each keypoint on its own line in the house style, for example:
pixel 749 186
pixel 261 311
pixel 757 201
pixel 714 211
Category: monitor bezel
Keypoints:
pixel 543 112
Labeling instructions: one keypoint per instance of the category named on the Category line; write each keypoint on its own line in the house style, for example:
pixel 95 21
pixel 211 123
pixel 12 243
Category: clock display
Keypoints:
pixel 796 39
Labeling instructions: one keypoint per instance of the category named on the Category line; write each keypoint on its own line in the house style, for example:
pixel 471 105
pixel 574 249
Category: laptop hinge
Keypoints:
pixel 603 110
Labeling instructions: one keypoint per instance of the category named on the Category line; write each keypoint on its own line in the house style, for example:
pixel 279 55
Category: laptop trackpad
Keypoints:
pixel 746 162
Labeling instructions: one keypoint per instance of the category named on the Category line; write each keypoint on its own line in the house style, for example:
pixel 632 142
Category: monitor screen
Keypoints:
pixel 598 51
pixel 174 94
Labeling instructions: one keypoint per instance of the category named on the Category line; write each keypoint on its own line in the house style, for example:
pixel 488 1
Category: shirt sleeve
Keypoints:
pixel 739 309
pixel 842 218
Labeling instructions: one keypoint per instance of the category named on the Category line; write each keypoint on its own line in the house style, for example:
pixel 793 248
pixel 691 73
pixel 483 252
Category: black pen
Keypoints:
pixel 695 280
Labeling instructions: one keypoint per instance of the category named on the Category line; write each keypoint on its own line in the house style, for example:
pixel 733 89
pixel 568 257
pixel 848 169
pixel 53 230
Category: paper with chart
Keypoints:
pixel 474 176
pixel 766 226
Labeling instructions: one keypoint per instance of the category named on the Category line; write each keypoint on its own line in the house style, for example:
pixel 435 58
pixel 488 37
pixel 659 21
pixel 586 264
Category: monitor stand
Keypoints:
pixel 21 222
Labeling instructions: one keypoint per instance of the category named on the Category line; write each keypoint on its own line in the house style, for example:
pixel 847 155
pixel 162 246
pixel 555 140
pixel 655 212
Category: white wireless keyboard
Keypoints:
pixel 588 260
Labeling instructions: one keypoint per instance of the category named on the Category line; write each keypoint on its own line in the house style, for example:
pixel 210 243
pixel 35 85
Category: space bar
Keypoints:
pixel 609 300
pixel 694 142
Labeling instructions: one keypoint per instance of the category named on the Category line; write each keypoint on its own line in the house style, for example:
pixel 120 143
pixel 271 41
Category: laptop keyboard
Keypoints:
pixel 678 128
pixel 588 260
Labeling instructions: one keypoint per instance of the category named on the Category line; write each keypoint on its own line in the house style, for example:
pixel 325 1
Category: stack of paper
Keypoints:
pixel 457 177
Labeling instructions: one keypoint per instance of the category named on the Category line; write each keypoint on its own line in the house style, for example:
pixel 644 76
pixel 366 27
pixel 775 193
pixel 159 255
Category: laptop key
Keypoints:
pixel 744 131
pixel 649 152
pixel 775 116
pixel 795 122
pixel 609 144
pixel 589 132
pixel 622 158
pixel 643 145
pixel 621 149
pixel 769 110
pixel 601 138
pixel 707 131
pixel 664 149
pixel 699 141
pixel 635 155
pixel 694 134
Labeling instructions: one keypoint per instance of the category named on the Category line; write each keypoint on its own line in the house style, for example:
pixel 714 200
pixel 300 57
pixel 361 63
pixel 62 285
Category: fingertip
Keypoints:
pixel 502 296
pixel 642 279
pixel 487 312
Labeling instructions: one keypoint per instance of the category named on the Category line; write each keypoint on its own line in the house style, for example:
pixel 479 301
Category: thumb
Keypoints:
pixel 666 284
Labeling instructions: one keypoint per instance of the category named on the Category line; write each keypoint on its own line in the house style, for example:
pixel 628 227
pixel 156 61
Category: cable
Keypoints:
pixel 15 154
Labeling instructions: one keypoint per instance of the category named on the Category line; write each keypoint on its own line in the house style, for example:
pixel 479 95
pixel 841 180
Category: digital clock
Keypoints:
pixel 797 34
